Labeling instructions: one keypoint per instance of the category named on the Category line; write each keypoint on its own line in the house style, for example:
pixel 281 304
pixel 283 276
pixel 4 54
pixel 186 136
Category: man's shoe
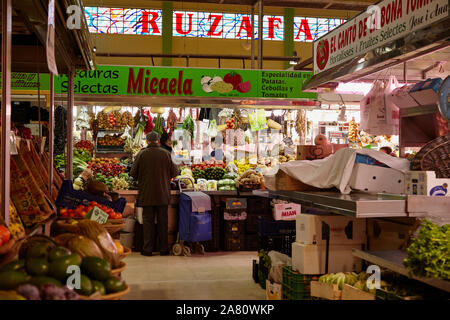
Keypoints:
pixel 164 253
pixel 147 254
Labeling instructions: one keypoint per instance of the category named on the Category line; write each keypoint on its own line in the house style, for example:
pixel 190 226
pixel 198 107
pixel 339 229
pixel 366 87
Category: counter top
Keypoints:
pixel 213 193
pixel 359 205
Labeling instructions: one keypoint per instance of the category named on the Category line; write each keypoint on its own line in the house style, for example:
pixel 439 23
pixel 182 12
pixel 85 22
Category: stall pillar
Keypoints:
pixel 51 120
pixel 260 33
pixel 6 106
pixel 288 34
pixel 253 37
pixel 167 21
pixel 69 127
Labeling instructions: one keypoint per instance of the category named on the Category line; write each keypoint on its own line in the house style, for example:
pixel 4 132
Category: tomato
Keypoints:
pixel 4 234
pixel 83 213
pixel 234 78
pixel 89 208
pixel 1 242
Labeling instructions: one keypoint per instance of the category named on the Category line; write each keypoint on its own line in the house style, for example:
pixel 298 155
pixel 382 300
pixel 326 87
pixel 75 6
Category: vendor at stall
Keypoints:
pixel 166 142
pixel 153 169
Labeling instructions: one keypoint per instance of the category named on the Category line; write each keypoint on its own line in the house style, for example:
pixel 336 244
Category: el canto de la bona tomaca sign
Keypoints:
pixel 188 82
pixel 382 23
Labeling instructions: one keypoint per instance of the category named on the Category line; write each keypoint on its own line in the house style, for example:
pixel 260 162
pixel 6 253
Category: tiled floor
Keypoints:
pixel 221 276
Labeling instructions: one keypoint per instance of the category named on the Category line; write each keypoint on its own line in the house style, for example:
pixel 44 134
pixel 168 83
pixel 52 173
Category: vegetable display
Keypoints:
pixel 81 211
pixel 40 272
pixel 429 252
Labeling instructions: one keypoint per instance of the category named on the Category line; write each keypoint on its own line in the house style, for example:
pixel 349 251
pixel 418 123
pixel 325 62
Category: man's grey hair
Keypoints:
pixel 152 137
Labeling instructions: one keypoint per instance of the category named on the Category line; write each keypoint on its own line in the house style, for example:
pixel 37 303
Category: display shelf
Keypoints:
pixel 359 205
pixel 393 260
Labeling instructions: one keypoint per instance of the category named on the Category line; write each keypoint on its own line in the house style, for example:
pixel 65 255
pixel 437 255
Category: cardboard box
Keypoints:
pixel 286 211
pixel 386 235
pixel 425 183
pixel 282 181
pixel 325 291
pixel 342 230
pixel 273 291
pixel 427 93
pixel 375 179
pixel 310 258
pixel 401 98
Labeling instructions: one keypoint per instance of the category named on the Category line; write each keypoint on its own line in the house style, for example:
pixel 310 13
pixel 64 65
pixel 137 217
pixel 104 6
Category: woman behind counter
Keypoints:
pixel 166 142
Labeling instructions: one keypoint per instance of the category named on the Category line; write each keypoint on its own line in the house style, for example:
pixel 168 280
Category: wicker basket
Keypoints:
pixel 249 187
pixel 117 271
pixel 112 226
pixel 112 296
pixel 126 252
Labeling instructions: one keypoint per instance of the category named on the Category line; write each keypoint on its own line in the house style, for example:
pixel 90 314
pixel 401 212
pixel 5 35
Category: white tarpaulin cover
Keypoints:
pixel 336 169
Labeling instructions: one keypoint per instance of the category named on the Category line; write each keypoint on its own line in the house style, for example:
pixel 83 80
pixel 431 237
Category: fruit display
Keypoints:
pixel 84 145
pixel 114 120
pixel 42 272
pixel 81 211
pixel 5 235
pixel 120 183
pixel 353 131
pixel 428 252
pixel 243 166
pixel 108 167
pixel 350 278
pixel 110 141
pixel 250 179
pixel 226 185
pixel 229 123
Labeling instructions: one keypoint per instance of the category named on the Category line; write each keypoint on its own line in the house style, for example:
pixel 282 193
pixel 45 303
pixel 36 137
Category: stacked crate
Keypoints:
pixel 296 286
pixel 235 216
pixel 276 235
pixel 256 207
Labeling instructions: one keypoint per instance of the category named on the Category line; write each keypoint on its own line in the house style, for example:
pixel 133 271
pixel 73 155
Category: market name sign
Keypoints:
pixel 383 23
pixel 143 83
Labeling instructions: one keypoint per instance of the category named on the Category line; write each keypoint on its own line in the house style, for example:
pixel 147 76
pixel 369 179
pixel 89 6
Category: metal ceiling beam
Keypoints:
pixel 194 56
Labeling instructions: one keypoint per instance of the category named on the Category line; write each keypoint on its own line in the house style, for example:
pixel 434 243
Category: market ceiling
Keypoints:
pixel 346 5
pixel 73 48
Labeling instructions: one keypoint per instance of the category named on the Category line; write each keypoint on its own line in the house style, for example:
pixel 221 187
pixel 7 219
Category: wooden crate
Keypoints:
pixel 282 181
pixel 352 293
pixel 325 291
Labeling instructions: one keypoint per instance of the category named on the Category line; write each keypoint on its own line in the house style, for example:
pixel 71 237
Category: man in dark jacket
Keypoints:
pixel 153 169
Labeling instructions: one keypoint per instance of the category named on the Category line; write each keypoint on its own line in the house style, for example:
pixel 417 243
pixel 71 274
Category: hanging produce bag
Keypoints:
pixel 379 116
pixel 212 130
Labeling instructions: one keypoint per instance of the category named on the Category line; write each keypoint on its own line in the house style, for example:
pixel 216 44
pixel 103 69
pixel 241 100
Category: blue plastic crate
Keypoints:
pixel 275 228
pixel 365 159
pixel 70 198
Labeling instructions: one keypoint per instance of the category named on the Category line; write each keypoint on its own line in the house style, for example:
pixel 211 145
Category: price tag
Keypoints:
pixel 98 215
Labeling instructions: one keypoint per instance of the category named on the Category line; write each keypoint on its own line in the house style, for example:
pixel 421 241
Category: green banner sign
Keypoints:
pixel 184 82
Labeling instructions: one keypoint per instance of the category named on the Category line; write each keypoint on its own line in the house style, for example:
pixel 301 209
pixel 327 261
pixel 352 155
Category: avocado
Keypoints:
pixel 96 268
pixel 86 287
pixel 39 250
pixel 37 266
pixel 11 279
pixel 58 267
pixel 98 286
pixel 39 281
pixel 114 284
pixel 58 252
pixel 15 265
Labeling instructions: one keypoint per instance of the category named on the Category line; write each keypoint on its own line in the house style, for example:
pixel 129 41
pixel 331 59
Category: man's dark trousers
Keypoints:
pixel 148 215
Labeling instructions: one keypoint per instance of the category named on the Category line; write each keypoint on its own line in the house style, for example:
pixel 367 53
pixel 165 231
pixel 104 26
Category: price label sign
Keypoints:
pixel 98 215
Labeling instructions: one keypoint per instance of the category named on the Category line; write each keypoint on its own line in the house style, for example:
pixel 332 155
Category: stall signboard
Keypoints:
pixel 185 82
pixel 188 82
pixel 380 24
pixel 29 81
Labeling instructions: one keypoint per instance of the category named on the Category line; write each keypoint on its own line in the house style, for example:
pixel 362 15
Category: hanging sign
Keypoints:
pixel 380 24
pixel 188 82
pixel 51 62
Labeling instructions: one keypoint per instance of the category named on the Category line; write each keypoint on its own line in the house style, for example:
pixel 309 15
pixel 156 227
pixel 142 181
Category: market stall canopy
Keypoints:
pixel 73 47
pixel 361 49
